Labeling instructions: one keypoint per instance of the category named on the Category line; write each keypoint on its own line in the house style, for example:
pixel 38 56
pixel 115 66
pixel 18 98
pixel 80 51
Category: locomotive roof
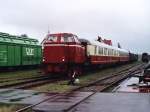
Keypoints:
pixel 56 34
pixel 107 46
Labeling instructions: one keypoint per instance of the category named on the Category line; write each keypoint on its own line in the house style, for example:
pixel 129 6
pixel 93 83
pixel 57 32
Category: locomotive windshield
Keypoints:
pixel 67 39
pixel 52 38
pixel 63 38
pixel 70 39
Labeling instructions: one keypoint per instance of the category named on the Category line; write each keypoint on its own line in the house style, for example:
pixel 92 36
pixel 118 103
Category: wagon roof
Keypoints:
pixel 7 38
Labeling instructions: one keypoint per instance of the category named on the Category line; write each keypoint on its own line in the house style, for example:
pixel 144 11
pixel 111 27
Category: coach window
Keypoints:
pixel 99 50
pixel 109 52
pixel 116 53
pixel 102 51
pixel 112 52
pixel 121 53
pixel 106 51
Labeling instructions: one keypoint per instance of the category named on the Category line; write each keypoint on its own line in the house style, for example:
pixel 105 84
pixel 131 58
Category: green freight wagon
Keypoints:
pixel 19 51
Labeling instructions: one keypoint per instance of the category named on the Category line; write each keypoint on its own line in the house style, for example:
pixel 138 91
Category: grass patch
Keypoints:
pixel 15 77
pixel 10 108
pixel 55 87
pixel 20 74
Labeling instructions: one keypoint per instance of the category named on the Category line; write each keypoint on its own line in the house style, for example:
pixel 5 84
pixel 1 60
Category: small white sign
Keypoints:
pixel 29 51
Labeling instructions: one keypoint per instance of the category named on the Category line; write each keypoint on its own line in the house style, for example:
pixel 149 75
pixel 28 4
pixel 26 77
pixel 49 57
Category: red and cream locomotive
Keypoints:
pixel 66 53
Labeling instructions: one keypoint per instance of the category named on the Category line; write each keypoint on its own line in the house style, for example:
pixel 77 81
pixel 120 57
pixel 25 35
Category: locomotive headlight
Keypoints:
pixel 63 59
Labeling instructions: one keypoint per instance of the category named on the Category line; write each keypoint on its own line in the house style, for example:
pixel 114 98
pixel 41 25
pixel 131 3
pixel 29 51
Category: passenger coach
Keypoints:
pixel 100 53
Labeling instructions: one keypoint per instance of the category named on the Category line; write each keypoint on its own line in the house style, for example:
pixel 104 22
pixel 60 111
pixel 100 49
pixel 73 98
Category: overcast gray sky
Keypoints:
pixel 124 21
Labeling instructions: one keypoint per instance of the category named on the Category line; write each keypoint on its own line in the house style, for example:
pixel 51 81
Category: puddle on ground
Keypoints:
pixel 132 85
pixel 16 95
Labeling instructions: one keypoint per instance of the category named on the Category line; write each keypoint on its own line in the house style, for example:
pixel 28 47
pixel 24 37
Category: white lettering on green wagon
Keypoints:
pixel 29 51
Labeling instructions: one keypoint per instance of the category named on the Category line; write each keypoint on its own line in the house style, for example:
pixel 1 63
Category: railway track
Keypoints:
pixel 104 84
pixel 35 83
pixel 3 80
pixel 100 85
pixel 28 82
pixel 106 80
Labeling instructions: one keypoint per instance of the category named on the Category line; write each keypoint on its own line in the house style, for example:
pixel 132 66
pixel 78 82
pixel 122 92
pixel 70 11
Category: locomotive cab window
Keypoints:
pixel 76 39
